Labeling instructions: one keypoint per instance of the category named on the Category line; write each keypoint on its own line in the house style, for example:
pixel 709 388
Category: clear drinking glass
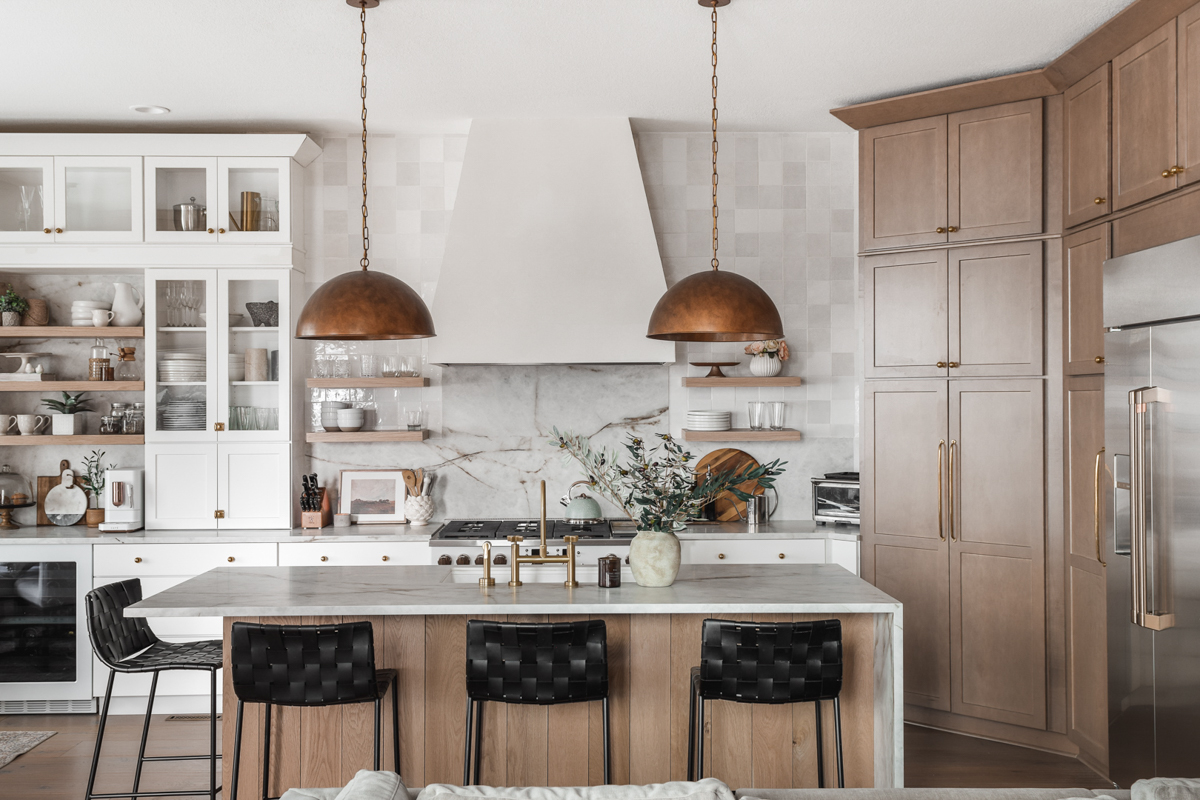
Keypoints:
pixel 775 411
pixel 367 364
pixel 757 411
pixel 414 417
pixel 341 368
pixel 410 367
pixel 390 366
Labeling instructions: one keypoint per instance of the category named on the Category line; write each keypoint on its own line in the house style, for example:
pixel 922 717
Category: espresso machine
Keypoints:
pixel 124 492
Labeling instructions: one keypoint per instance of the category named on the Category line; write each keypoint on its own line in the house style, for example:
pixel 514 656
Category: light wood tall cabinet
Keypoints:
pixel 1145 160
pixel 1083 300
pixel 1087 138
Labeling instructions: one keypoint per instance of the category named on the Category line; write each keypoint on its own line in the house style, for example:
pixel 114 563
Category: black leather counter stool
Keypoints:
pixel 763 662
pixel 126 644
pixel 543 663
pixel 308 665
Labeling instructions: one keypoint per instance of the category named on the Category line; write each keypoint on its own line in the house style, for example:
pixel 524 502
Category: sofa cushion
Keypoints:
pixel 365 785
pixel 707 789
pixel 1166 789
pixel 915 794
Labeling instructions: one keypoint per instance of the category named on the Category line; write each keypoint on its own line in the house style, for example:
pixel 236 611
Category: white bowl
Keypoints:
pixel 346 418
pixel 91 304
pixel 333 405
pixel 352 429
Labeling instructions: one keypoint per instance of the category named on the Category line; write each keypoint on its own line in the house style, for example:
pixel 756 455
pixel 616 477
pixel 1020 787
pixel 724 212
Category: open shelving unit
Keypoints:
pixel 741 383
pixel 368 436
pixel 742 435
pixel 69 332
pixel 72 386
pixel 77 439
pixel 366 383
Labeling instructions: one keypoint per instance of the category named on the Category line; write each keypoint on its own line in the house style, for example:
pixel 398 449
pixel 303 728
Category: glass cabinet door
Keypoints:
pixel 178 192
pixel 98 199
pixel 255 355
pixel 182 355
pixel 26 199
pixel 254 198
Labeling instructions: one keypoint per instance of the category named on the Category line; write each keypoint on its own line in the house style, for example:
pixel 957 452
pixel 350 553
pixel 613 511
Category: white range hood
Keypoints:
pixel 550 255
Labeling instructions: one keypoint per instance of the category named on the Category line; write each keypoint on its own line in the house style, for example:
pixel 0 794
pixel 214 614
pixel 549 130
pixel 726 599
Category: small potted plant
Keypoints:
pixel 767 357
pixel 92 481
pixel 12 306
pixel 67 421
pixel 659 491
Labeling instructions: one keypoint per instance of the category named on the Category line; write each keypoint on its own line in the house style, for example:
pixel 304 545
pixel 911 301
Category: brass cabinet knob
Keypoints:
pixel 1099 359
pixel 940 365
pixel 137 559
pixel 952 364
pixel 385 558
pixel 1175 170
pixel 939 230
pixel 720 555
pixel 324 558
pixel 220 230
pixel 210 230
pixel 46 230
pixel 781 555
pixel 444 561
pixel 58 230
pixel 230 559
pixel 952 229
pixel 1100 201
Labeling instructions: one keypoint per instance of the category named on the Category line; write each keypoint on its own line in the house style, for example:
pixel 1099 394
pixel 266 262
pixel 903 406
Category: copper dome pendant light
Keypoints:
pixel 715 306
pixel 364 305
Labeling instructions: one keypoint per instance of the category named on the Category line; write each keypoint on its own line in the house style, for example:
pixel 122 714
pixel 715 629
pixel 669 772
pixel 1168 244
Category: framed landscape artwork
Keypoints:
pixel 372 496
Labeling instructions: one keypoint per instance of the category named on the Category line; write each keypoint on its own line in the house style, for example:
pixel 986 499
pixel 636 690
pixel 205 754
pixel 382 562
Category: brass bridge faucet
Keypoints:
pixel 542 557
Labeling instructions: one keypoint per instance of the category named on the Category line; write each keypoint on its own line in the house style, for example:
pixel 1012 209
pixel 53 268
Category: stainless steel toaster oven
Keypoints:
pixel 835 498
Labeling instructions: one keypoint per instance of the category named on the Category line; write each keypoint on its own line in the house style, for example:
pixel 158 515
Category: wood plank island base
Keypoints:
pixel 419 616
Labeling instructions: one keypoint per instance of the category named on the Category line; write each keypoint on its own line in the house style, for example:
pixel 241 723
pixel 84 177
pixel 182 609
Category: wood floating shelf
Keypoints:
pixel 72 386
pixel 80 439
pixel 742 435
pixel 368 436
pixel 69 332
pixel 738 383
pixel 365 383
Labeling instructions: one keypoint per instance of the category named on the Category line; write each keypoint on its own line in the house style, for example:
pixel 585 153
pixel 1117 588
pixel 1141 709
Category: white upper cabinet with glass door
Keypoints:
pixel 254 200
pixel 179 191
pixel 98 199
pixel 182 363
pixel 26 199
pixel 254 355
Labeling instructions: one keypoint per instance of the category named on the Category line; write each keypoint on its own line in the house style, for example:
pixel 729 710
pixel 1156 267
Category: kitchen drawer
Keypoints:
pixel 754 551
pixel 178 559
pixel 353 554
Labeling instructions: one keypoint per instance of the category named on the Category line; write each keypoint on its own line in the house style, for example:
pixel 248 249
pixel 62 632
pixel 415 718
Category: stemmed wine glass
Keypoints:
pixel 27 195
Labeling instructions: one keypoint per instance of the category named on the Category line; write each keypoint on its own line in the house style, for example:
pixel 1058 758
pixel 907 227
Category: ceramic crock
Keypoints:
pixel 654 558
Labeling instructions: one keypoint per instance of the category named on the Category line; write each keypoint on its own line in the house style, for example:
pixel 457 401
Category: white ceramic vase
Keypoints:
pixel 66 424
pixel 765 366
pixel 654 558
pixel 127 310
pixel 419 510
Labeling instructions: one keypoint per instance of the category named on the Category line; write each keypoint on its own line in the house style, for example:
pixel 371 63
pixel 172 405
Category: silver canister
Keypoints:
pixel 191 216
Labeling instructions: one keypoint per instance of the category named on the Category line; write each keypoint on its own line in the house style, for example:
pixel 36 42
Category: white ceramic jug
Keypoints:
pixel 127 311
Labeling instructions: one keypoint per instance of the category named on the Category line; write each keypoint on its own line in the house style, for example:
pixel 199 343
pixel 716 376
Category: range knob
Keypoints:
pixel 445 561
pixel 500 559
pixel 464 560
pixel 479 561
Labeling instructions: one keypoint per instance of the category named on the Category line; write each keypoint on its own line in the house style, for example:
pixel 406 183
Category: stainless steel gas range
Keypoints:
pixel 460 541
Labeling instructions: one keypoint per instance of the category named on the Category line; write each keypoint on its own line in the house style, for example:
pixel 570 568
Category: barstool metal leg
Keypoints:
pixel 237 751
pixel 100 735
pixel 396 724
pixel 837 732
pixel 141 757
pixel 376 745
pixel 691 757
pixel 479 741
pixel 266 765
pixel 700 734
pixel 212 737
pixel 820 749
pixel 467 743
pixel 607 746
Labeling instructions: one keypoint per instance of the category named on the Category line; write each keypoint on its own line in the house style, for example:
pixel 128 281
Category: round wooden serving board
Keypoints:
pixel 728 507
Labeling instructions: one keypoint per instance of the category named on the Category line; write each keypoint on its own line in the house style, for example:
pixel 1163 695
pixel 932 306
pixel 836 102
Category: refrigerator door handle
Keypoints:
pixel 1096 505
pixel 1139 500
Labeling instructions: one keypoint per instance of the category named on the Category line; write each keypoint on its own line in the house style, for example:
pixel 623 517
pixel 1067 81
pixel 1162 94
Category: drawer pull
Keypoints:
pixel 1100 201
pixel 385 558
pixel 230 559
pixel 324 558
pixel 720 555
pixel 781 555
pixel 137 559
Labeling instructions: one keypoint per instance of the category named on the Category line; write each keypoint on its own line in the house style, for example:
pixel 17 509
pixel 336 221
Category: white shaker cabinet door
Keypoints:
pixel 181 486
pixel 253 485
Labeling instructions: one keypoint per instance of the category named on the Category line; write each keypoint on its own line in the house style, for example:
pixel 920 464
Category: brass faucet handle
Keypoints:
pixel 487 579
pixel 516 538
pixel 570 539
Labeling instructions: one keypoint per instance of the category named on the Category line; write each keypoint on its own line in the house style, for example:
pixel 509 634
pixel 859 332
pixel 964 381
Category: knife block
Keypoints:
pixel 318 519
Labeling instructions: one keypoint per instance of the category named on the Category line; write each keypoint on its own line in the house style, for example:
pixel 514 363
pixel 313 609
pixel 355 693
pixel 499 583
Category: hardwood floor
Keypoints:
pixel 57 769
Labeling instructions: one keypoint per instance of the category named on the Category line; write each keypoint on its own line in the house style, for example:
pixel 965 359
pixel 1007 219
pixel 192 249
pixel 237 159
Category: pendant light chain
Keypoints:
pixel 715 212
pixel 366 233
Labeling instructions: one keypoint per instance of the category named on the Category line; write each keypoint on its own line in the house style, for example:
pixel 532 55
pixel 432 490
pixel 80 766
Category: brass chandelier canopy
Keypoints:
pixel 715 306
pixel 364 305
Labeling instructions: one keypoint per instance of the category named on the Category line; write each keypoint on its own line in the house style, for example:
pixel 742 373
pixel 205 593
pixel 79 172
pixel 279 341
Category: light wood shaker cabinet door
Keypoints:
pixel 1189 95
pixel 1086 137
pixel 902 184
pixel 997 551
pixel 904 553
pixel 995 319
pixel 1083 298
pixel 906 314
pixel 1144 118
pixel 995 171
pixel 1087 645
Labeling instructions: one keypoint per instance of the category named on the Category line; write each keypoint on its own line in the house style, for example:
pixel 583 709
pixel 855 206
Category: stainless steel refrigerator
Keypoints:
pixel 1152 451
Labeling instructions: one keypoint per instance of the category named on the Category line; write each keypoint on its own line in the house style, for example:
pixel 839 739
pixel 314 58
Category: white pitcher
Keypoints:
pixel 127 310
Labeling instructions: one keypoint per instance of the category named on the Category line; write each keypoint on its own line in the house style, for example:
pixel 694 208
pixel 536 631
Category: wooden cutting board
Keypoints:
pixel 728 507
pixel 44 484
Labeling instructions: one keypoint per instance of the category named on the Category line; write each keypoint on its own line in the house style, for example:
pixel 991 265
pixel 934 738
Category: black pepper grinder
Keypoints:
pixel 610 571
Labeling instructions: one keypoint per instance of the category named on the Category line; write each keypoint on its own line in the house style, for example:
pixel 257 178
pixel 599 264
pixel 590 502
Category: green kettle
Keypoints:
pixel 582 508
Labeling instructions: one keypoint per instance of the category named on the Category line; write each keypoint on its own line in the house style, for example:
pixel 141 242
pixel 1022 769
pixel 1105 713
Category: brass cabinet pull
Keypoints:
pixel 781 555
pixel 941 502
pixel 220 230
pixel 952 364
pixel 324 558
pixel 939 230
pixel 940 365
pixel 1100 201
pixel 230 559
pixel 1166 173
pixel 1171 172
pixel 210 230
pixel 950 488
pixel 58 230
pixel 385 558
pixel 218 514
pixel 952 229
pixel 45 230
pixel 1099 359
pixel 720 555
pixel 1096 505
pixel 218 426
pixel 137 559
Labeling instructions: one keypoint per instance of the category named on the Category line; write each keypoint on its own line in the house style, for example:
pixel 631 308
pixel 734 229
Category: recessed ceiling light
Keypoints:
pixel 150 109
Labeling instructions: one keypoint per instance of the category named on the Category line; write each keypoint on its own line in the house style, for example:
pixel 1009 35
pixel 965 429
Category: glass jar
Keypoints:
pixel 109 426
pixel 134 423
pixel 99 364
pixel 610 571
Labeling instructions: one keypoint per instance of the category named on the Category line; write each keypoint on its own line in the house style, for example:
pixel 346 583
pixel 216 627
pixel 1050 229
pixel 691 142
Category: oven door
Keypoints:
pixel 44 650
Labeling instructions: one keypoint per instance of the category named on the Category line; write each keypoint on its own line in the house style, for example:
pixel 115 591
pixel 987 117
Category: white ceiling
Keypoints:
pixel 239 65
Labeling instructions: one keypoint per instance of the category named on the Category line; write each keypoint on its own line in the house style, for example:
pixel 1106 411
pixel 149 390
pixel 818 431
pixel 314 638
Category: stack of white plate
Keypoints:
pixel 329 414
pixel 237 366
pixel 708 420
pixel 183 415
pixel 180 366
pixel 81 312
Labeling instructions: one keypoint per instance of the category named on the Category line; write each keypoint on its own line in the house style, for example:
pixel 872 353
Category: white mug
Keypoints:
pixel 101 318
pixel 7 423
pixel 30 424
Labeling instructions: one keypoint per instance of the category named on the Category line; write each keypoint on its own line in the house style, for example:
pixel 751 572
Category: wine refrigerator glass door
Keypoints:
pixel 44 649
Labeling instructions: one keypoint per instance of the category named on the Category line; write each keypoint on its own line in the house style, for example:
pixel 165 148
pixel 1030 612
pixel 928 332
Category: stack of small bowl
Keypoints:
pixel 81 312
pixel 329 414
pixel 350 419
pixel 237 366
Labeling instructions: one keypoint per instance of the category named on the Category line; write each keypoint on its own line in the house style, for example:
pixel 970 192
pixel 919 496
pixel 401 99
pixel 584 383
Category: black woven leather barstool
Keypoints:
pixel 126 644
pixel 534 663
pixel 764 662
pixel 308 665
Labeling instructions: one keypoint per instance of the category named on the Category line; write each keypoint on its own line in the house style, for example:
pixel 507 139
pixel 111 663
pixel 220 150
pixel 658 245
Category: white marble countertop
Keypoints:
pixel 701 589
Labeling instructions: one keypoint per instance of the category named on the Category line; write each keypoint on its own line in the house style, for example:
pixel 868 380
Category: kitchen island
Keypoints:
pixel 419 616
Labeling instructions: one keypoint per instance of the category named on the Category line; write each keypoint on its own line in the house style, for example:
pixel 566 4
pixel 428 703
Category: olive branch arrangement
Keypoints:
pixel 658 488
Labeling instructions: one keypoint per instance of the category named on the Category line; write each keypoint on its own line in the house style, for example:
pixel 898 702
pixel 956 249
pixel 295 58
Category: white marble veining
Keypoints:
pixel 703 589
